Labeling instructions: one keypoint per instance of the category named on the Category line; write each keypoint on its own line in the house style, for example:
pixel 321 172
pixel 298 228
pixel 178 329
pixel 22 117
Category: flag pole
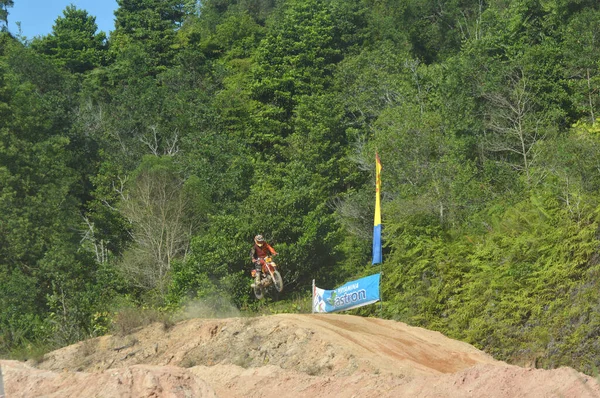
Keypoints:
pixel 1 384
pixel 377 218
pixel 312 302
pixel 377 250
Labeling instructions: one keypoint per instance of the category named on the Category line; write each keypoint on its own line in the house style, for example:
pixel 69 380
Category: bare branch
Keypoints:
pixel 171 144
pixel 152 142
pixel 158 210
pixel 513 125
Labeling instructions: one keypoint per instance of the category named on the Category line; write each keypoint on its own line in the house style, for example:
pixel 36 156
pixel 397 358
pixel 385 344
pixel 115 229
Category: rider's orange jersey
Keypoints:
pixel 263 251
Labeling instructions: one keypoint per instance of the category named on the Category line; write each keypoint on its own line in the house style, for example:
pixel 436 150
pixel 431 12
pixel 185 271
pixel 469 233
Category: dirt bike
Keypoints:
pixel 269 276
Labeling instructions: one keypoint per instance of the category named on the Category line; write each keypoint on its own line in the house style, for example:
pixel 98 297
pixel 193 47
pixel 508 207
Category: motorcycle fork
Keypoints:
pixel 267 272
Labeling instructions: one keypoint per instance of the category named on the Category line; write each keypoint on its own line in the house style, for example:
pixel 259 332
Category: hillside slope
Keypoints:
pixel 284 355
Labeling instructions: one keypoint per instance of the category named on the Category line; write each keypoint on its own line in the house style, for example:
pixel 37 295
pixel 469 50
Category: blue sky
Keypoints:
pixel 37 16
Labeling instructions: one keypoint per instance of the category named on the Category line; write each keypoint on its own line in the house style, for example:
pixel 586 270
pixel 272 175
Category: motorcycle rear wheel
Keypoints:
pixel 277 281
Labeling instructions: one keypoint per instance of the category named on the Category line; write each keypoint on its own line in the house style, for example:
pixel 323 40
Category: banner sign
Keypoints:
pixel 353 294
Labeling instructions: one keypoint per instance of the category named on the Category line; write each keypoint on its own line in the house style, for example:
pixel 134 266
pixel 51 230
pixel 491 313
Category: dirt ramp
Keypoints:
pixel 281 356
pixel 135 381
pixel 316 344
pixel 231 381
pixel 481 381
pixel 389 346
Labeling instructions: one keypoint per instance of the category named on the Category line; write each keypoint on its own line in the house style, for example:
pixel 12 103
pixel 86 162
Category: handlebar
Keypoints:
pixel 264 258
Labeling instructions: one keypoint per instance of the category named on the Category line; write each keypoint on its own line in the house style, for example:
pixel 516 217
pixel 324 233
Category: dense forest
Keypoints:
pixel 136 166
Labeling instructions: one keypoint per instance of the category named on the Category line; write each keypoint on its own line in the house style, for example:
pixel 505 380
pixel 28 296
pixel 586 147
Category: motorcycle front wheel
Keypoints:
pixel 277 281
pixel 259 290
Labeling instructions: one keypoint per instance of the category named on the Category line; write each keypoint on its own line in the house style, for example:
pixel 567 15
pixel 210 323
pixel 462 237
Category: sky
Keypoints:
pixel 37 16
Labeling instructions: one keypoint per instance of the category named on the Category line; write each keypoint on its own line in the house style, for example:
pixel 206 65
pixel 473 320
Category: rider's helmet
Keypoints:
pixel 259 240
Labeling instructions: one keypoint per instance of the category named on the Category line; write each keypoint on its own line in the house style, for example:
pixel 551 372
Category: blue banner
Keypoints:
pixel 353 294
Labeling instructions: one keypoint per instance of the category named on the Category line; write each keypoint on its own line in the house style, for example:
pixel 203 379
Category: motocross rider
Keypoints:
pixel 260 249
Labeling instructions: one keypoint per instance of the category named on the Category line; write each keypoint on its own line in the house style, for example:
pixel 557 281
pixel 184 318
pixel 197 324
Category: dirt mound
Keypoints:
pixel 132 381
pixel 284 355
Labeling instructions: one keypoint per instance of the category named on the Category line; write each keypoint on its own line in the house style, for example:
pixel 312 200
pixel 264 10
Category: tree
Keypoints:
pixel 431 30
pixel 40 203
pixel 516 120
pixel 296 58
pixel 582 51
pixel 150 24
pixel 371 81
pixel 4 6
pixel 74 42
pixel 163 218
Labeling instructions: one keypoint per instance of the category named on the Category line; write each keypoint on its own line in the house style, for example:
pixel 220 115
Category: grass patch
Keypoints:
pixel 31 352
pixel 188 362
pixel 89 347
pixel 244 360
pixel 314 370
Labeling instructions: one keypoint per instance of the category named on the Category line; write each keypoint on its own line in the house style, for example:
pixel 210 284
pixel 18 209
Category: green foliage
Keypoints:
pixel 500 292
pixel 216 259
pixel 21 320
pixel 581 61
pixel 74 42
pixel 295 58
pixel 163 213
pixel 52 276
pixel 4 5
pixel 149 24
